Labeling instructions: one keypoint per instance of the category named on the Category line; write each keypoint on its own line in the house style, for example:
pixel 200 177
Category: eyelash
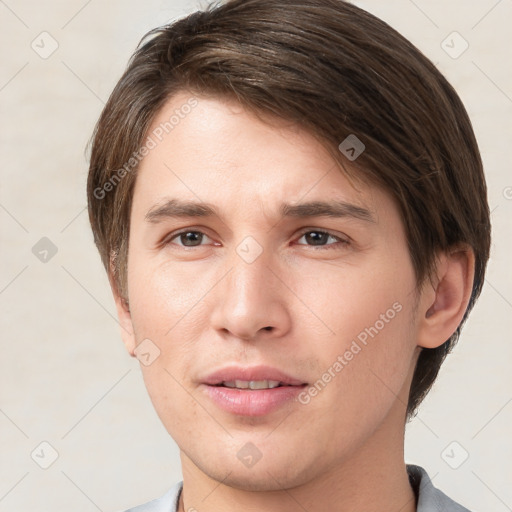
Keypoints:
pixel 340 240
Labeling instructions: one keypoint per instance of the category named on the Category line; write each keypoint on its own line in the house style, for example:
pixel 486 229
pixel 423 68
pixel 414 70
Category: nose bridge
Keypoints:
pixel 249 283
pixel 251 299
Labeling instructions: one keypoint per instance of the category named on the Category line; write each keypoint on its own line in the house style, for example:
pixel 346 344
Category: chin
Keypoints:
pixel 265 483
pixel 283 471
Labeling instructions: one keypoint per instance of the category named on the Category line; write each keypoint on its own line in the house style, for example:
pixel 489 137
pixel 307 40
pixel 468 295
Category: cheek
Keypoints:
pixel 163 311
pixel 368 358
pixel 164 298
pixel 362 379
pixel 168 306
pixel 350 299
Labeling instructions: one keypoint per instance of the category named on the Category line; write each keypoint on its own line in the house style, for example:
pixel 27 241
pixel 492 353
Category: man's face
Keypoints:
pixel 327 300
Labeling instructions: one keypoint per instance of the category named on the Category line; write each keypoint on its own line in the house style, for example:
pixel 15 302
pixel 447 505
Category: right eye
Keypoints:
pixel 187 238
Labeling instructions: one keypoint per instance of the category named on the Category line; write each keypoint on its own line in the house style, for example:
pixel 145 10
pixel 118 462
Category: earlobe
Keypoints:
pixel 124 316
pixel 122 307
pixel 443 303
pixel 125 322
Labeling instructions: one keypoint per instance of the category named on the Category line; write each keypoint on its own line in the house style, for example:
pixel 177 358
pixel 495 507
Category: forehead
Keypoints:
pixel 212 149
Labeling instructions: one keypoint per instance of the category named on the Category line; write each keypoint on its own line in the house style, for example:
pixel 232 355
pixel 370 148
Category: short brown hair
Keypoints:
pixel 334 69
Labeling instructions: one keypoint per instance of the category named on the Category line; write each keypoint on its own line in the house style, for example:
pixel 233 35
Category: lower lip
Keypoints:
pixel 252 402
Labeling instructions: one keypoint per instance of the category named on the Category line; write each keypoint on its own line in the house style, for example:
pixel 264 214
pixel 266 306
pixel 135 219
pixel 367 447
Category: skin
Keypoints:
pixel 204 306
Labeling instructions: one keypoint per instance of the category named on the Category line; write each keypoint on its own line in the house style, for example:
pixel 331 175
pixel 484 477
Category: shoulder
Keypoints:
pixel 430 499
pixel 166 503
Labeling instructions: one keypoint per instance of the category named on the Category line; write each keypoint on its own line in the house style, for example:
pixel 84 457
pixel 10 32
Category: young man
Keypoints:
pixel 290 204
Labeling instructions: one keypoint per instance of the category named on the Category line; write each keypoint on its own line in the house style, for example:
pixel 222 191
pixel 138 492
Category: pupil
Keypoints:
pixel 316 236
pixel 190 236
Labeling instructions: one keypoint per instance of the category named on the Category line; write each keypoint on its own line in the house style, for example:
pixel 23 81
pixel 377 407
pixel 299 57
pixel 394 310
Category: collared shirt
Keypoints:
pixel 428 497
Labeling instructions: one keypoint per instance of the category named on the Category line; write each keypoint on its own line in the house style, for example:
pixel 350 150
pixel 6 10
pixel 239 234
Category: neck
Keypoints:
pixel 373 478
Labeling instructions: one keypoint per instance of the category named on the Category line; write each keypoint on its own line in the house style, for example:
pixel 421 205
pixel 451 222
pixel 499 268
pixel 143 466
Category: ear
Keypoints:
pixel 123 311
pixel 443 303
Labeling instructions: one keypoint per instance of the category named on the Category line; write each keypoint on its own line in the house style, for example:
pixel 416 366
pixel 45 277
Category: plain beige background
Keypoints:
pixel 66 380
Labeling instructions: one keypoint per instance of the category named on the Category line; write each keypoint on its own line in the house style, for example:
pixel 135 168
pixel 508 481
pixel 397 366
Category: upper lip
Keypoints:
pixel 248 373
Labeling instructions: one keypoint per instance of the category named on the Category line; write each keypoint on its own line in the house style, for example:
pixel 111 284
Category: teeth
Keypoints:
pixel 251 384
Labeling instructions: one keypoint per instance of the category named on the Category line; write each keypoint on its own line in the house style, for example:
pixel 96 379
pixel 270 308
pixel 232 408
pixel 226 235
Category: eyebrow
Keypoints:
pixel 175 208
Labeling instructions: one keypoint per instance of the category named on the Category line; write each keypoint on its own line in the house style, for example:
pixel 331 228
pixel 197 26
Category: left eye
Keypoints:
pixel 320 238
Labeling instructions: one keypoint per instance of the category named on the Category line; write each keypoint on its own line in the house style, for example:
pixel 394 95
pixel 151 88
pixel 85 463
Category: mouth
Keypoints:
pixel 251 377
pixel 252 391
pixel 252 384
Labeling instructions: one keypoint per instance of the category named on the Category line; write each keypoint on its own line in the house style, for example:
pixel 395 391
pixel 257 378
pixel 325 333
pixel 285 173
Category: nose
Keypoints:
pixel 251 301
